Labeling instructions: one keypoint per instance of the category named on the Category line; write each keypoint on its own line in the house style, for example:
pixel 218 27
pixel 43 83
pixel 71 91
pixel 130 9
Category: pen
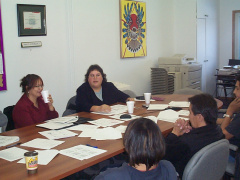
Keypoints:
pixel 13 145
pixel 91 146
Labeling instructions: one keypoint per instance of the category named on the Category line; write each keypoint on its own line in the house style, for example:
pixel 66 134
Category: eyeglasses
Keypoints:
pixel 39 86
pixel 93 75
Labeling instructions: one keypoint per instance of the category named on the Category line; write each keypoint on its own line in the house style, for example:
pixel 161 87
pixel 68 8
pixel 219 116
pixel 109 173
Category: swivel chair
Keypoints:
pixel 209 163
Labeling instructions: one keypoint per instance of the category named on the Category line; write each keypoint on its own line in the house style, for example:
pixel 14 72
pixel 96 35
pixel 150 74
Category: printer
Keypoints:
pixel 176 59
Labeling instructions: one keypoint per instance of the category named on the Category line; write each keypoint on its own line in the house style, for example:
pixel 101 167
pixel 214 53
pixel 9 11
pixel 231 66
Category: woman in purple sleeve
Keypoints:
pixel 31 109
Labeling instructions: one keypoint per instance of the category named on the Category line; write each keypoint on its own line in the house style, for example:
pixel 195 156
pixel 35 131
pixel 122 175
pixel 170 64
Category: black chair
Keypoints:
pixel 71 107
pixel 8 112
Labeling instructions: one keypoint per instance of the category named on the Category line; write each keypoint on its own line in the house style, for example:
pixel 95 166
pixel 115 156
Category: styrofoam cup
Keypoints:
pixel 130 106
pixel 147 97
pixel 45 95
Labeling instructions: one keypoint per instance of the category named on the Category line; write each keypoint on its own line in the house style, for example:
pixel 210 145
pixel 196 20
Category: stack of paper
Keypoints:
pixel 58 134
pixel 115 109
pixel 42 143
pixel 104 122
pixel 179 104
pixel 168 115
pixel 82 152
pixel 102 134
pixel 157 106
pixel 5 140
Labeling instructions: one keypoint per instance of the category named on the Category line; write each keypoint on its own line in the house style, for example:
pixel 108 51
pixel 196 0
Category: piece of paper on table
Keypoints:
pixel 183 113
pixel 12 154
pixel 42 143
pixel 115 109
pixel 65 119
pixel 57 134
pixel 105 122
pixel 82 152
pixel 44 156
pixel 142 99
pixel 82 127
pixel 179 104
pixel 117 116
pixel 168 115
pixel 121 128
pixel 54 125
pixel 102 134
pixel 5 140
pixel 153 118
pixel 157 106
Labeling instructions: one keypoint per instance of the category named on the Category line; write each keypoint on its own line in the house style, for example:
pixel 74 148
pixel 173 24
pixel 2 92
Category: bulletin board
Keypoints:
pixel 3 84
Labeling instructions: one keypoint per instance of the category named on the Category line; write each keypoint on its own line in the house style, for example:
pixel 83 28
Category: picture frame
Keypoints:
pixel 133 28
pixel 31 20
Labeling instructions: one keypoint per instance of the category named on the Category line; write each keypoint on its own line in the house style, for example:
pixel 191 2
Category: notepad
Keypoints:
pixel 5 140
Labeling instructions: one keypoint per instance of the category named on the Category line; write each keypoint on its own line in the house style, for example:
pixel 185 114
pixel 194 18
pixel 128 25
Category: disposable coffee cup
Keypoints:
pixel 31 159
pixel 45 95
pixel 130 106
pixel 147 97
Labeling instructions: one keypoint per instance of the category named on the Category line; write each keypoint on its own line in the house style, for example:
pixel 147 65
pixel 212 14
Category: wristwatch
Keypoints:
pixel 226 115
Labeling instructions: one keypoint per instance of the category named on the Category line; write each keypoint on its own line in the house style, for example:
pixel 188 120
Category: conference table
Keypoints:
pixel 62 166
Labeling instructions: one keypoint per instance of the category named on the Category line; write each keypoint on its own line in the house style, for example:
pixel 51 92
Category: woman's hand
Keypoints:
pixel 50 103
pixel 130 99
pixel 105 108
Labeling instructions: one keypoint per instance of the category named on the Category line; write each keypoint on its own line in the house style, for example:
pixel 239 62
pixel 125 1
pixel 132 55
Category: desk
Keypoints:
pixel 62 166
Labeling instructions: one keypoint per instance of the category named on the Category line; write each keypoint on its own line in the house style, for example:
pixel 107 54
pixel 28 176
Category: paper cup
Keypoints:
pixel 130 106
pixel 147 97
pixel 45 95
pixel 31 159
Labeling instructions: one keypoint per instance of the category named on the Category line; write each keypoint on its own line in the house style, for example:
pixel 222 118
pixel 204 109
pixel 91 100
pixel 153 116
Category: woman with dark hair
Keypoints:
pixel 31 109
pixel 96 94
pixel 145 146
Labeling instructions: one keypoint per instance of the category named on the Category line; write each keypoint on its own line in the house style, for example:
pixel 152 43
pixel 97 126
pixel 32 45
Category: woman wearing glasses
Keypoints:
pixel 96 94
pixel 31 109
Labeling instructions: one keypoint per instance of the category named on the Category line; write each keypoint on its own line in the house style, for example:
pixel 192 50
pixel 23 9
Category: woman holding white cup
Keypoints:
pixel 31 108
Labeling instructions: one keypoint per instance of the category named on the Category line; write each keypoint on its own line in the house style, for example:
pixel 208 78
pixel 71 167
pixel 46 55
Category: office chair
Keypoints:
pixel 233 168
pixel 209 163
pixel 8 112
pixel 71 107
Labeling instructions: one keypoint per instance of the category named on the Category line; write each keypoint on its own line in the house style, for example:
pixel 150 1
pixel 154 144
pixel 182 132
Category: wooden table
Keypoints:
pixel 62 166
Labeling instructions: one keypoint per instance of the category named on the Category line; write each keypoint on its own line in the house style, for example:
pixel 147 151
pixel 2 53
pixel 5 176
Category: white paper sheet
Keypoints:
pixel 106 134
pixel 42 143
pixel 54 125
pixel 5 140
pixel 57 134
pixel 183 113
pixel 44 156
pixel 157 106
pixel 82 127
pixel 168 115
pixel 82 152
pixel 179 104
pixel 12 154
pixel 153 118
pixel 105 122
pixel 65 119
pixel 121 128
pixel 115 109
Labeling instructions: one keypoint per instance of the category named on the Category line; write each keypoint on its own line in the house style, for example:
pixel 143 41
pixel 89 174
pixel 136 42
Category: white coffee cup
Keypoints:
pixel 147 97
pixel 45 95
pixel 130 106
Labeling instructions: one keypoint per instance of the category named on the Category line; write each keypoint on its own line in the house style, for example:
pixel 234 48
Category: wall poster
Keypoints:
pixel 133 28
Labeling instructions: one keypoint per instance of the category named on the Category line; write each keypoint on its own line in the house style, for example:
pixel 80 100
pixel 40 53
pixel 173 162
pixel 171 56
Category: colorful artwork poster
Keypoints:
pixel 133 29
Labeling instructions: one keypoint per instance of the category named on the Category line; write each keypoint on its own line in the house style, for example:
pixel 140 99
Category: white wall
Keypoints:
pixel 225 30
pixel 81 33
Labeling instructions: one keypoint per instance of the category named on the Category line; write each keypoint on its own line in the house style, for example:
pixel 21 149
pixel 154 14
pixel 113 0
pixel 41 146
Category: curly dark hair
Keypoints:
pixel 95 67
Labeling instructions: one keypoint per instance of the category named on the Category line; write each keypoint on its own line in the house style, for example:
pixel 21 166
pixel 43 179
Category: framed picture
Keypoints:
pixel 133 28
pixel 31 20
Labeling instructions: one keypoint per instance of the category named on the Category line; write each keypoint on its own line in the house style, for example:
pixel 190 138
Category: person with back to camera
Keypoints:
pixel 144 143
pixel 31 109
pixel 96 94
pixel 187 138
